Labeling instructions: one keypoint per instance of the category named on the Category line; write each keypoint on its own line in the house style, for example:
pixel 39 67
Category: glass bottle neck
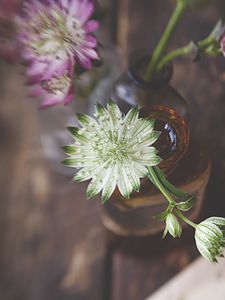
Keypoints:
pixel 137 70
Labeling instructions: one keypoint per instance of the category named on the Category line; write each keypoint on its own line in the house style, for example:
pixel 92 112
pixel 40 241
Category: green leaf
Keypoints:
pixel 187 205
pixel 171 188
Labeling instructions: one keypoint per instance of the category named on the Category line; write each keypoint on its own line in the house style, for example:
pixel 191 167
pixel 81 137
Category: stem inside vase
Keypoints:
pixel 160 48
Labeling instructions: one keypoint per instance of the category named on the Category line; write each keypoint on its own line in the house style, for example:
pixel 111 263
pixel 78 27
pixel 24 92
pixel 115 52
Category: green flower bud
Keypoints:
pixel 210 238
pixel 172 226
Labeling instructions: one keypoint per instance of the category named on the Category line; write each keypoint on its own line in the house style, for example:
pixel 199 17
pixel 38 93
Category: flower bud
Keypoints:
pixel 210 238
pixel 172 226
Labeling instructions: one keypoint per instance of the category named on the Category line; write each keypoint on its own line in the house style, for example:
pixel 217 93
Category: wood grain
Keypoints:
pixel 52 241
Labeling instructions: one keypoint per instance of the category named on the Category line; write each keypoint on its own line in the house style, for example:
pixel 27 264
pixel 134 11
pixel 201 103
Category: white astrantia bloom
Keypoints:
pixel 112 150
pixel 210 238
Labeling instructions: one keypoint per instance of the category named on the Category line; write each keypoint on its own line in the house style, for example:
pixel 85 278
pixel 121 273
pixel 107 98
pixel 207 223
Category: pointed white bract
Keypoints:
pixel 172 226
pixel 112 150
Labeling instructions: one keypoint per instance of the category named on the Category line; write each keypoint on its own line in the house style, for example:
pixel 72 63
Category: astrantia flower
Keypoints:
pixel 210 238
pixel 56 34
pixel 112 150
pixel 55 90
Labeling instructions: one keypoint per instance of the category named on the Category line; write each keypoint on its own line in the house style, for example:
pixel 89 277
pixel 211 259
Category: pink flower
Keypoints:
pixel 54 90
pixel 56 35
pixel 222 44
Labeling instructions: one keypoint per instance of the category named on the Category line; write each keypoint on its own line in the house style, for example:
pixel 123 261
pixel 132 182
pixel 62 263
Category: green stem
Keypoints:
pixel 204 43
pixel 183 51
pixel 169 187
pixel 156 181
pixel 156 56
pixel 186 220
pixel 173 54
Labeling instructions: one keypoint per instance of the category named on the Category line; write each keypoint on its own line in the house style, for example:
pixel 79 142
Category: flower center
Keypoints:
pixel 111 148
pixel 56 31
pixel 56 85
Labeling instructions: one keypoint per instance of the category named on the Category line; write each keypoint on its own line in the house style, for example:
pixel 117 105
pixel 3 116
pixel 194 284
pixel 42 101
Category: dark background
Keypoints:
pixel 53 245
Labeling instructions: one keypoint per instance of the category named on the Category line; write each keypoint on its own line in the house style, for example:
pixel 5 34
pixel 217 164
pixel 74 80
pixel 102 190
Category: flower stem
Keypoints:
pixel 173 54
pixel 183 51
pixel 186 220
pixel 156 181
pixel 178 12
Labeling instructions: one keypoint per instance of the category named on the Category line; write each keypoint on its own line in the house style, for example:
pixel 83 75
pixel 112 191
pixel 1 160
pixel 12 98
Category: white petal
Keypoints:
pixel 140 170
pixel 87 121
pixel 114 112
pixel 147 140
pixel 130 119
pixel 219 221
pixel 86 173
pixel 124 184
pixel 98 182
pixel 148 162
pixel 110 186
pixel 204 250
pixel 143 127
pixel 102 115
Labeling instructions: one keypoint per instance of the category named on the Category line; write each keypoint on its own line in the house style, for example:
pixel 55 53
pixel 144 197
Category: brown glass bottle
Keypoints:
pixel 185 163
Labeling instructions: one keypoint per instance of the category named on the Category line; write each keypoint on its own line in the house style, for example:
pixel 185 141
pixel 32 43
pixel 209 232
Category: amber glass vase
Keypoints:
pixel 185 163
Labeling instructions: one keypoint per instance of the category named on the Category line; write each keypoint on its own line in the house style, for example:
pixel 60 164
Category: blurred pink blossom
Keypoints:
pixel 55 35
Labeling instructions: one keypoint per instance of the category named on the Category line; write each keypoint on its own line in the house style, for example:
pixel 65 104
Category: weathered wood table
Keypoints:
pixel 53 245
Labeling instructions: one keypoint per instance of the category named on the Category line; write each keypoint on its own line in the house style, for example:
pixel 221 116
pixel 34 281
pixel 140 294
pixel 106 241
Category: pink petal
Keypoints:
pixel 69 97
pixel 74 7
pixel 36 68
pixel 90 41
pixel 91 53
pixel 55 66
pixel 86 10
pixel 91 26
pixel 84 61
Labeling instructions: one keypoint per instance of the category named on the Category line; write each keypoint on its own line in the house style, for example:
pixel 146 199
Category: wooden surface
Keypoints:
pixel 199 281
pixel 53 245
